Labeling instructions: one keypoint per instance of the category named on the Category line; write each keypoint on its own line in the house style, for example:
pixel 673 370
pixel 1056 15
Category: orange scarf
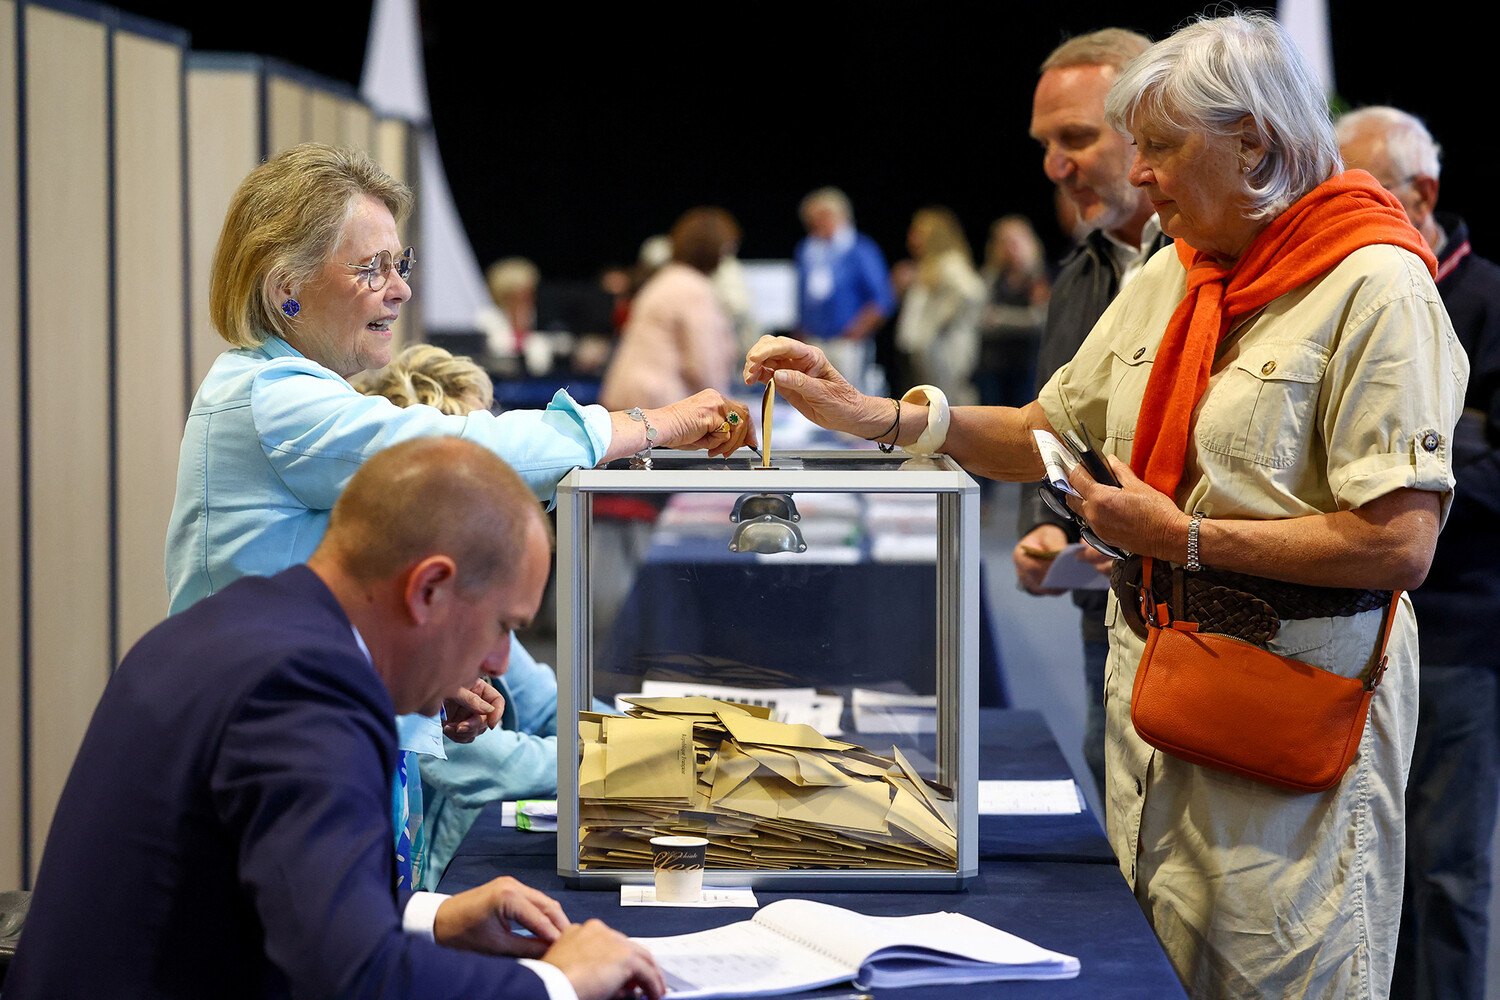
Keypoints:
pixel 1345 212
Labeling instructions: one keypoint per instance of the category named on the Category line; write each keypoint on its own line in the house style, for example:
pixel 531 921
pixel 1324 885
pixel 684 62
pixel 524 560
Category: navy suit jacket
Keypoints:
pixel 226 829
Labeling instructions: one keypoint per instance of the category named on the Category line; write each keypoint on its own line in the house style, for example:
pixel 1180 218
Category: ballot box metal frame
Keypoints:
pixel 796 473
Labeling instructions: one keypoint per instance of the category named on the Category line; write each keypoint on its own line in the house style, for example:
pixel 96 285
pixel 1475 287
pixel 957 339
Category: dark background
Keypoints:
pixel 570 134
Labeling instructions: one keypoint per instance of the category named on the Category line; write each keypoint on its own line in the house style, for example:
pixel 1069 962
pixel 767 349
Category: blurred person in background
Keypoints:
pixel 512 282
pixel 432 376
pixel 678 334
pixel 843 285
pixel 937 329
pixel 1010 326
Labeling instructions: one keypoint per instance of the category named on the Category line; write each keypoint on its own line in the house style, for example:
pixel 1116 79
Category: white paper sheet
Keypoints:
pixel 1068 571
pixel 803 706
pixel 1029 798
pixel 645 895
pixel 885 712
pixel 535 815
pixel 1057 458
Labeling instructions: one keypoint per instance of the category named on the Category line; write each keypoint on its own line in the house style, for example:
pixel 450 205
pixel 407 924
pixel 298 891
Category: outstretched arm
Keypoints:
pixel 993 441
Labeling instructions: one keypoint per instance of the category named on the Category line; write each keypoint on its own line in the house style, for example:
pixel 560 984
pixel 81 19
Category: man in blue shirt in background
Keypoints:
pixel 843 286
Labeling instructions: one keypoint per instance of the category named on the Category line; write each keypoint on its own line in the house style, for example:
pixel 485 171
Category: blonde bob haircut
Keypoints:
pixel 427 374
pixel 1212 74
pixel 281 228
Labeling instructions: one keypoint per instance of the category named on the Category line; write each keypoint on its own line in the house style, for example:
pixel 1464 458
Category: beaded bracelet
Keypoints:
pixel 895 426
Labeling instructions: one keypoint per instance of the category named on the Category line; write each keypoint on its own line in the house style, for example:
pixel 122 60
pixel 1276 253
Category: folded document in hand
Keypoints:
pixel 798 944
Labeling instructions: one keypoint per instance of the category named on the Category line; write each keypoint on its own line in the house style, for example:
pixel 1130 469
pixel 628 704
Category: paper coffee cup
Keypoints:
pixel 679 868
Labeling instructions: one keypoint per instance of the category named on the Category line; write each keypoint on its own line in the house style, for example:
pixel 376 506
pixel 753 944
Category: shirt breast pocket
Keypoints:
pixel 1130 370
pixel 1262 406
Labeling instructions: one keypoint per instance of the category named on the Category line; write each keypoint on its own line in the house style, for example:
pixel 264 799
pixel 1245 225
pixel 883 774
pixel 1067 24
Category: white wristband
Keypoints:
pixel 936 432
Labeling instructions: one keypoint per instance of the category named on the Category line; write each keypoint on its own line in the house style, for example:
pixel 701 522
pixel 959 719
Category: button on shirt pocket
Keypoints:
pixel 1130 369
pixel 1262 405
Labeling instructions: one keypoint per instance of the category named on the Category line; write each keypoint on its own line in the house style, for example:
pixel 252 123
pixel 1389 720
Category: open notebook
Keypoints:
pixel 797 944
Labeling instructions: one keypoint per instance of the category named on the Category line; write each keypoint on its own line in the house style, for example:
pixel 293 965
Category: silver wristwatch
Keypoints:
pixel 1193 565
pixel 642 458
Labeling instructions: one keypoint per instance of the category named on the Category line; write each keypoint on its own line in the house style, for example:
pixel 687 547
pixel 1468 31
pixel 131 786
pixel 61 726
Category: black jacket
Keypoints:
pixel 1087 283
pixel 1457 604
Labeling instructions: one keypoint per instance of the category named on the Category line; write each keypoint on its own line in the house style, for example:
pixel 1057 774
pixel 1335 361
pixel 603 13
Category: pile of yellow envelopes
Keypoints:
pixel 767 795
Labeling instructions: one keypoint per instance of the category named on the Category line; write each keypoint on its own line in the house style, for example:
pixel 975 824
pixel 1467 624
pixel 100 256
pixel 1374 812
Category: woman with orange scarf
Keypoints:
pixel 1276 395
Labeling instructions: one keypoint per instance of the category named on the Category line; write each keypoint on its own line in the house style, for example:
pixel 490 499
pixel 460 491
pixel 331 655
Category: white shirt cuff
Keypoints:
pixel 421 913
pixel 558 986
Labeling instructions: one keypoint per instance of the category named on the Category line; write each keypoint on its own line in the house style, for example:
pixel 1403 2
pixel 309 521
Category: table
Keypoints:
pixel 1080 909
pixel 1050 879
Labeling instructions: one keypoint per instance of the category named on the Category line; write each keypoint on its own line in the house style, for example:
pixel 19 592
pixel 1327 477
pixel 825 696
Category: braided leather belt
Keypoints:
pixel 1235 604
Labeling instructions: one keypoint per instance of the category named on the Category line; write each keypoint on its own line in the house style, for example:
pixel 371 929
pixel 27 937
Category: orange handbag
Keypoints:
pixel 1223 703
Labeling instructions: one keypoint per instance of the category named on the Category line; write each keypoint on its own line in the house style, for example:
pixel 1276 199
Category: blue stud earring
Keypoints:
pixel 291 307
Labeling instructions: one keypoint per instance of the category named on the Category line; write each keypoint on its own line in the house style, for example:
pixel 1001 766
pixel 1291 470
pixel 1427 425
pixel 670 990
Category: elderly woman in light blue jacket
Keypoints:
pixel 307 280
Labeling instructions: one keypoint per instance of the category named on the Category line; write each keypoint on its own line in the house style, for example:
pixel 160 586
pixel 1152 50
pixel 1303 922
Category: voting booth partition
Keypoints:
pixel 119 150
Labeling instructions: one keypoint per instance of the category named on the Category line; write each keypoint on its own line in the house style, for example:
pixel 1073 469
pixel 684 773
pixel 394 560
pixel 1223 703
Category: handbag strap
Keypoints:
pixel 1377 668
pixel 1161 616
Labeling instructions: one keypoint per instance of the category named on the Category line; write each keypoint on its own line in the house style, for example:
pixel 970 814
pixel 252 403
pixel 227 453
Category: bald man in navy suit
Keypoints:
pixel 226 829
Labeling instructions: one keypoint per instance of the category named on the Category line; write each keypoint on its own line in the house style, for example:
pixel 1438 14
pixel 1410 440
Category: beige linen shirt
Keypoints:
pixel 1333 395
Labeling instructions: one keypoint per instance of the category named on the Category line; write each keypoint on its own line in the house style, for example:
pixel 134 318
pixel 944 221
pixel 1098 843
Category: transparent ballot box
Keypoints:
pixel 784 661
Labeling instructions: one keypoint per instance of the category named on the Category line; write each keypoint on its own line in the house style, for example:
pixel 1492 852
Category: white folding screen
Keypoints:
pixel 119 151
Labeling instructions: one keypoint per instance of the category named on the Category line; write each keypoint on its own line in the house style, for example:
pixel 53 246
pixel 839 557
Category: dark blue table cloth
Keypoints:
pixel 1084 910
pixel 1049 879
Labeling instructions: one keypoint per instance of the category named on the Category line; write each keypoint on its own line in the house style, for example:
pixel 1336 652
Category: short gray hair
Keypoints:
pixel 833 198
pixel 1105 47
pixel 1211 74
pixel 1409 147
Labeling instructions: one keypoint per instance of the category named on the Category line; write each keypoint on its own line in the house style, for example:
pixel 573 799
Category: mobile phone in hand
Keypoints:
pixel 1092 461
